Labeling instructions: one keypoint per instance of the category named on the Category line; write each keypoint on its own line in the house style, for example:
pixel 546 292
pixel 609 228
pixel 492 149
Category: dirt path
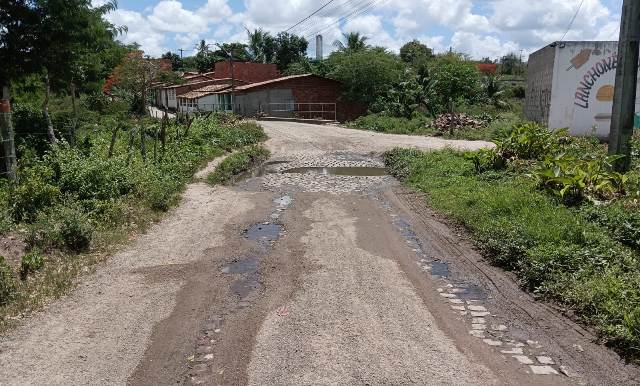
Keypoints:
pixel 305 279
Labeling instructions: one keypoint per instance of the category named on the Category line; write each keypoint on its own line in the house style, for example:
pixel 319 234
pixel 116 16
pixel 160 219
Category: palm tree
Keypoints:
pixel 355 41
pixel 262 46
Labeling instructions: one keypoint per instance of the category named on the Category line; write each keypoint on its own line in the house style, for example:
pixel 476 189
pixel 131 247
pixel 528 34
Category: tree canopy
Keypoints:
pixel 365 73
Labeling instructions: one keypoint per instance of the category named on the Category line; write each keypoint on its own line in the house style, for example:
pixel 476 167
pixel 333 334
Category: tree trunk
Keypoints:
pixel 155 144
pixel 74 122
pixel 143 145
pixel 45 110
pixel 7 150
pixel 132 138
pixel 112 144
pixel 163 133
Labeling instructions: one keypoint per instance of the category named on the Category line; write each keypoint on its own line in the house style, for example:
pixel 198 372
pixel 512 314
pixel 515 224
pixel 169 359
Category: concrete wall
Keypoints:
pixel 582 87
pixel 539 85
pixel 249 103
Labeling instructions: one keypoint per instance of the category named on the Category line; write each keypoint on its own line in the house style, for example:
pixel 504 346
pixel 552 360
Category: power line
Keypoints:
pixel 368 6
pixel 573 20
pixel 308 17
pixel 336 8
pixel 348 7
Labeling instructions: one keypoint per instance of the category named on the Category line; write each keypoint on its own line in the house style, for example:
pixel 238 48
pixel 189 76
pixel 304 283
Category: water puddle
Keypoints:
pixel 470 292
pixel 340 171
pixel 263 232
pixel 250 264
pixel 439 268
pixel 246 286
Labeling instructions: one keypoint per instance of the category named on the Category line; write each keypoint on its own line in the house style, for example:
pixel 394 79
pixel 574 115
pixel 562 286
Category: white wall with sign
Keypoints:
pixel 583 83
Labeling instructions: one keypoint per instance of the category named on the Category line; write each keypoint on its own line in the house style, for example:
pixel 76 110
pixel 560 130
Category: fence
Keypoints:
pixel 322 111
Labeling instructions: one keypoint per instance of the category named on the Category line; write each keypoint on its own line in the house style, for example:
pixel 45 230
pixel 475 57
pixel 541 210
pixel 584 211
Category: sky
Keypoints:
pixel 479 28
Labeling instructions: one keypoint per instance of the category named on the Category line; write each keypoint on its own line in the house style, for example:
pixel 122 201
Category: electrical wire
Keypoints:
pixel 573 20
pixel 308 17
pixel 369 6
pixel 336 9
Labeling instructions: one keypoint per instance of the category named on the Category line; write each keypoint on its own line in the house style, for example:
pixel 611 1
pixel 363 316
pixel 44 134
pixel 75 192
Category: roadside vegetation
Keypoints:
pixel 238 163
pixel 550 208
pixel 70 205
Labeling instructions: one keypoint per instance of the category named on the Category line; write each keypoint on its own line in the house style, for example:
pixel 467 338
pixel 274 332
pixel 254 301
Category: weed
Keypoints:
pixel 7 285
pixel 238 163
pixel 30 263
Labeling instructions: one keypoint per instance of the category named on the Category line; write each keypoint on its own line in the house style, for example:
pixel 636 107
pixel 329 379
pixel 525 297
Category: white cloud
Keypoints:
pixel 479 27
pixel 480 46
pixel 169 16
pixel 139 31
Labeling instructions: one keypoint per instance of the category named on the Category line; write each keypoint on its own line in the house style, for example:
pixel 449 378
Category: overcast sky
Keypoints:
pixel 479 28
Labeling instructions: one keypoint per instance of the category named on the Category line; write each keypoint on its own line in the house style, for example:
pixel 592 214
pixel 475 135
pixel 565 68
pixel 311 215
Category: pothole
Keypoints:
pixel 264 232
pixel 340 171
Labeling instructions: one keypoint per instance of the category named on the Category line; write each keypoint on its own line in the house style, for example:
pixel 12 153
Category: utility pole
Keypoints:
pixel 624 97
pixel 181 51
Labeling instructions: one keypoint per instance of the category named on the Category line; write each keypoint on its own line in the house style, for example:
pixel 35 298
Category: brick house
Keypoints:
pixel 305 96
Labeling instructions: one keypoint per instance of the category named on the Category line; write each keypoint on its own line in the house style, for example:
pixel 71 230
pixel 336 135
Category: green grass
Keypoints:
pixel 500 122
pixel 570 255
pixel 238 163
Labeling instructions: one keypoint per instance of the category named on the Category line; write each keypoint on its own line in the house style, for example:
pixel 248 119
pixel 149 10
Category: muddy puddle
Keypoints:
pixel 340 171
pixel 263 232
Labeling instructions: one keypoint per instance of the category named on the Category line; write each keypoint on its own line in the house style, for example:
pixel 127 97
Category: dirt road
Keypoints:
pixel 330 273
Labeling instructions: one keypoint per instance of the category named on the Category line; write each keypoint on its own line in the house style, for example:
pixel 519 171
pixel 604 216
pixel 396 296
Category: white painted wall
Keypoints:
pixel 583 76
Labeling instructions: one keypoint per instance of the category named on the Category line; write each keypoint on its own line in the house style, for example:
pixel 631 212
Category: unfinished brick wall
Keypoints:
pixel 315 89
pixel 250 72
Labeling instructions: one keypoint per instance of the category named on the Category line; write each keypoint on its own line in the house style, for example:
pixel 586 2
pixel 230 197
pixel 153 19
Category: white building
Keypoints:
pixel 570 85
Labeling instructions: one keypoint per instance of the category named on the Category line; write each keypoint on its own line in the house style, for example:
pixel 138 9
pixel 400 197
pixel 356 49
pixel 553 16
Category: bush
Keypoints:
pixel 61 226
pixel 30 263
pixel 530 141
pixel 386 124
pixel 35 191
pixel 7 285
pixel 238 163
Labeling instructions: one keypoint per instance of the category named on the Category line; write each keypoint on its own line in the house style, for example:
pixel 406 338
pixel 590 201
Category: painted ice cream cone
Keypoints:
pixel 580 59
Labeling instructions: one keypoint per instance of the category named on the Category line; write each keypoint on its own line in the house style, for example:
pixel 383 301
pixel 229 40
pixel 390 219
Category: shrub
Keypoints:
pixel 61 226
pixel 7 285
pixel 36 191
pixel 485 160
pixel 530 141
pixel 574 179
pixel 30 263
pixel 238 163
pixel 386 124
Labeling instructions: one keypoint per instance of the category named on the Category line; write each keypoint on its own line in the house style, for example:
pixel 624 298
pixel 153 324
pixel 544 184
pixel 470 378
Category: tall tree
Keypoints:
pixel 262 46
pixel 290 49
pixel 353 41
pixel 413 52
pixel 18 22
pixel 176 61
pixel 136 74
pixel 366 74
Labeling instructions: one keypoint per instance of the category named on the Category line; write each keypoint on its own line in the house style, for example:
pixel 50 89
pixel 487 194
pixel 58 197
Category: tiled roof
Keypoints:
pixel 204 91
pixel 277 80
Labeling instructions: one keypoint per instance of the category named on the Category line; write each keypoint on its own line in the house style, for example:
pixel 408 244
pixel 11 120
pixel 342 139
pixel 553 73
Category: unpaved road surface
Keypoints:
pixel 333 275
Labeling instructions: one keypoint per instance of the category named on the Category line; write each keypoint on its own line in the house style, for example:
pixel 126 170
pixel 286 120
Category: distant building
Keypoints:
pixel 487 68
pixel 571 84
pixel 259 90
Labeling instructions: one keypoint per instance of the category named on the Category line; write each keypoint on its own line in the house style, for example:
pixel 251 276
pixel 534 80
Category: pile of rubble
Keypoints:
pixel 448 123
